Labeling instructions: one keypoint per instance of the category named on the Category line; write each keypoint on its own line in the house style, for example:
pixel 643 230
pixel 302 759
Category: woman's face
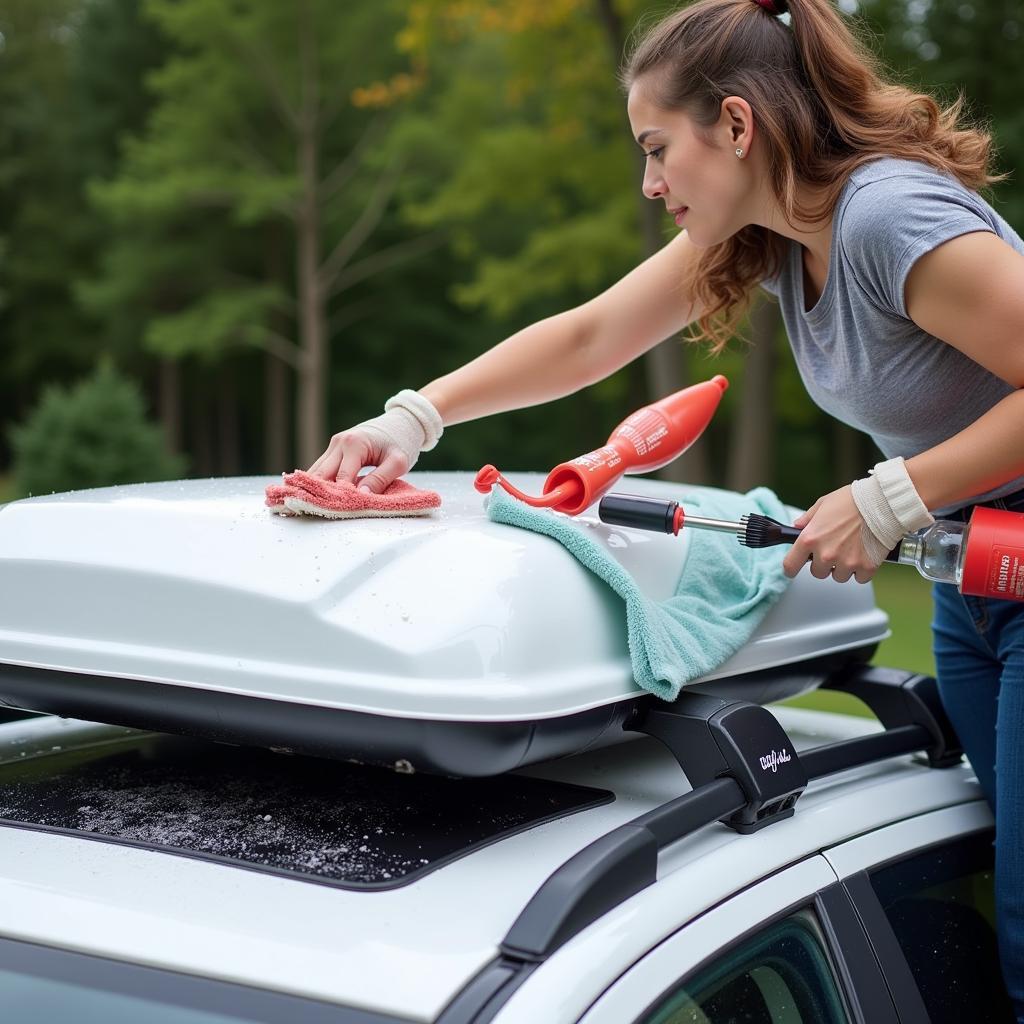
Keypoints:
pixel 694 171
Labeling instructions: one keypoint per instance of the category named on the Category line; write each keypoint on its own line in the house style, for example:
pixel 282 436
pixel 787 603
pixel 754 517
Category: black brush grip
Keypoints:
pixel 787 534
pixel 637 511
pixel 769 532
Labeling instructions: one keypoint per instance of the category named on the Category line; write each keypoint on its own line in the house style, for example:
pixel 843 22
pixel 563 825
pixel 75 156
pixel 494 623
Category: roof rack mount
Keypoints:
pixel 744 772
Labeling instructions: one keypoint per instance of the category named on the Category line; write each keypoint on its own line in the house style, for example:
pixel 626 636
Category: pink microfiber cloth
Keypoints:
pixel 299 492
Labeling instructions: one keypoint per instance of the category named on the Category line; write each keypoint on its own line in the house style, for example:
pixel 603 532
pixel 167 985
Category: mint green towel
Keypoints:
pixel 724 591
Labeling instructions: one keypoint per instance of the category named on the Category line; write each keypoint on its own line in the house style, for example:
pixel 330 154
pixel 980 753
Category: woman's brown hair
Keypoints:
pixel 822 106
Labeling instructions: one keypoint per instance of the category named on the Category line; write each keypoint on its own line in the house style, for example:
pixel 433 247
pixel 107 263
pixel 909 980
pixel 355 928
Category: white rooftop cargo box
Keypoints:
pixel 445 643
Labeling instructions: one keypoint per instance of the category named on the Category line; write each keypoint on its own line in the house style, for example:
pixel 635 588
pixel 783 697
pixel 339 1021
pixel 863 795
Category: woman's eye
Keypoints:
pixel 656 153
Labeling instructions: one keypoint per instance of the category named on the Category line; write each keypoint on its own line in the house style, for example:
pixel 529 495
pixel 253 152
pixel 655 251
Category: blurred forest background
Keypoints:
pixel 229 228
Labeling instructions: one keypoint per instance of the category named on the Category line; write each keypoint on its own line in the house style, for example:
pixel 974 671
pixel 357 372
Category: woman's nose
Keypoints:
pixel 653 183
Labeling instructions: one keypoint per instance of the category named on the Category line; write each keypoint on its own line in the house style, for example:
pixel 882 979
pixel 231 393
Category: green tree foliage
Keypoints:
pixel 518 144
pixel 41 228
pixel 541 183
pixel 254 128
pixel 968 48
pixel 92 434
pixel 112 50
pixel 360 197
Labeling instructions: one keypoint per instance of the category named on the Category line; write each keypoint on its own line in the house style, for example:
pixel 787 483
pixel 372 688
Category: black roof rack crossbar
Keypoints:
pixel 611 869
pixel 744 772
pixel 898 698
pixel 837 757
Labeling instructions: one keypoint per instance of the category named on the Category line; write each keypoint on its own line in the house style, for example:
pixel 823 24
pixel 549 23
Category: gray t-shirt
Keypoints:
pixel 862 359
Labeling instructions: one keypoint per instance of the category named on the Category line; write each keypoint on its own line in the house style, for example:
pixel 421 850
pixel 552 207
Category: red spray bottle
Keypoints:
pixel 644 441
pixel 984 556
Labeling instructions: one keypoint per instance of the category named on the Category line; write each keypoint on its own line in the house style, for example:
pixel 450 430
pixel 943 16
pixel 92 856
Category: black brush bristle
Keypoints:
pixel 764 532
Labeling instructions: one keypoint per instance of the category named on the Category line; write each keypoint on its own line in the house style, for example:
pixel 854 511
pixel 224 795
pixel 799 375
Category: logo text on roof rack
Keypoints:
pixel 774 759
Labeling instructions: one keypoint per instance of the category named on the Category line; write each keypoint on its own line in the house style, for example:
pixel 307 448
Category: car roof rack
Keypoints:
pixel 744 772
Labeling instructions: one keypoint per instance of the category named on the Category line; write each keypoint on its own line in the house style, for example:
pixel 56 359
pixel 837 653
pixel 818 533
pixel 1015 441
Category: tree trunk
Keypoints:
pixel 752 445
pixel 169 384
pixel 276 374
pixel 275 416
pixel 312 386
pixel 228 458
pixel 199 427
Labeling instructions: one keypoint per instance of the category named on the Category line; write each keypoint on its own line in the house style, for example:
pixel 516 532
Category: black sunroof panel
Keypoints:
pixel 324 821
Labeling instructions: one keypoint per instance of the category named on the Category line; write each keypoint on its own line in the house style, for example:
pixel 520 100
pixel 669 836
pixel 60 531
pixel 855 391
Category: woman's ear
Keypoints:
pixel 737 123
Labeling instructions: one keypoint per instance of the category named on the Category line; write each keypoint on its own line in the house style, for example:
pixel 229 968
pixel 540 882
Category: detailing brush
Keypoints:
pixel 983 557
pixel 753 530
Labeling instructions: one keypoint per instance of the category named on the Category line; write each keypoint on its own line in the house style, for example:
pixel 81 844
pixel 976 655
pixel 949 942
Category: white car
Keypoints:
pixel 546 843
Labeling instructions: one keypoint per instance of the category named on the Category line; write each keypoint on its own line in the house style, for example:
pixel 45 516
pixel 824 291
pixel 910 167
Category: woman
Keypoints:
pixel 789 162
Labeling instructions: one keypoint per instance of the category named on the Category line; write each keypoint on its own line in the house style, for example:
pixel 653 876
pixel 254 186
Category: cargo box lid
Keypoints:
pixel 451 616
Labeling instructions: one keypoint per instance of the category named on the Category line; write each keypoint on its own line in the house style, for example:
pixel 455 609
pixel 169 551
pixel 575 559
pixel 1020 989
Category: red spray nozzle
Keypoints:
pixel 489 476
pixel 646 440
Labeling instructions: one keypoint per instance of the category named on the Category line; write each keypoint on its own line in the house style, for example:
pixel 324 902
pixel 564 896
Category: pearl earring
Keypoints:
pixel 739 152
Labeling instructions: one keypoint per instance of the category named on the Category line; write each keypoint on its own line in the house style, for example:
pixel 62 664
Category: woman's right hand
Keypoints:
pixel 391 442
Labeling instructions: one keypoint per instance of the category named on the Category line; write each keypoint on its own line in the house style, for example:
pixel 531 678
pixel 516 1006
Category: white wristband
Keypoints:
pixel 409 421
pixel 890 507
pixel 423 411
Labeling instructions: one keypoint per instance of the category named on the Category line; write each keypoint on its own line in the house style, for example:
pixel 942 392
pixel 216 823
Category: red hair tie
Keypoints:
pixel 774 7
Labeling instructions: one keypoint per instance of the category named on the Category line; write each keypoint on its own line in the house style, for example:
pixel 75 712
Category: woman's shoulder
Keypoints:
pixel 872 185
pixel 891 197
pixel 892 211
pixel 898 170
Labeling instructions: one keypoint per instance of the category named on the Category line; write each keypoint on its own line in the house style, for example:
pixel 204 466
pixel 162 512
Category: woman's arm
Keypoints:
pixel 970 293
pixel 544 361
pixel 558 356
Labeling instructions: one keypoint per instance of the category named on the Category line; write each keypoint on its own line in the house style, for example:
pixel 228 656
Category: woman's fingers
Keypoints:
pixel 347 453
pixel 805 517
pixel 353 458
pixel 821 568
pixel 391 468
pixel 327 465
pixel 798 556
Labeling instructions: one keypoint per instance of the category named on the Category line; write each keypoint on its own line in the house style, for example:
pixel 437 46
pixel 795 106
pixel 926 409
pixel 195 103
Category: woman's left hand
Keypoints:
pixel 830 538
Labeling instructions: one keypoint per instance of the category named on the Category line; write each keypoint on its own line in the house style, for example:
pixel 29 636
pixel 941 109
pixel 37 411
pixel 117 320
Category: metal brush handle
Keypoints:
pixel 644 513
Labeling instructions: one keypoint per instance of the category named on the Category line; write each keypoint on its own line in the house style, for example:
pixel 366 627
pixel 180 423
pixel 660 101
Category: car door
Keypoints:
pixel 924 891
pixel 788 950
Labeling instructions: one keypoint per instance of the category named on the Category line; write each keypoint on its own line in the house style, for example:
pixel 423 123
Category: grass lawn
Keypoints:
pixel 906 597
pixel 6 489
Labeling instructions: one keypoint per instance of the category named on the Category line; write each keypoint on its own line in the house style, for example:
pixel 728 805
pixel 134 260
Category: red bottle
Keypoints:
pixel 646 440
pixel 983 557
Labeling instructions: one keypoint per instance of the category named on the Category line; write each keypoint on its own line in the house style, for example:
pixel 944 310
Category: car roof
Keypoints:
pixel 407 951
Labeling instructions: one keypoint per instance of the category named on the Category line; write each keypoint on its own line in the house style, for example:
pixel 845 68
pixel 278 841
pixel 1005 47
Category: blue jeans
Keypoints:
pixel 979 658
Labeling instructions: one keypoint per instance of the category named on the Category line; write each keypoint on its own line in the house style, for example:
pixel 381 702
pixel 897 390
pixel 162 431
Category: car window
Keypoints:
pixel 25 997
pixel 781 975
pixel 940 904
pixel 38 983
